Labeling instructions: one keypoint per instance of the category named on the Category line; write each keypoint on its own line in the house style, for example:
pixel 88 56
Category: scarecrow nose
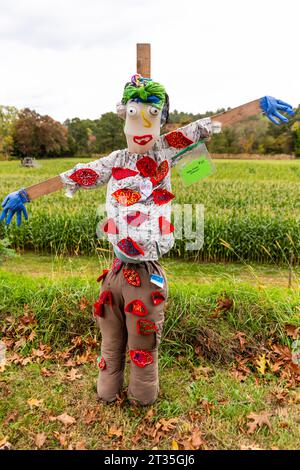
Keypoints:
pixel 146 122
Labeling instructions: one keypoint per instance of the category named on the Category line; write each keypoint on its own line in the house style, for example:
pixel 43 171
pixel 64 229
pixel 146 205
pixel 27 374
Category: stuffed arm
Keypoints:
pixel 88 176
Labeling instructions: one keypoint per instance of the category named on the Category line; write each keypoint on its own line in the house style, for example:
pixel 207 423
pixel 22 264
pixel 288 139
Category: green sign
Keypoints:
pixel 195 170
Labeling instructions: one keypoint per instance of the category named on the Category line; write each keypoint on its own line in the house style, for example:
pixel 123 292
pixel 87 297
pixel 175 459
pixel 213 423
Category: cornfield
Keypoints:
pixel 252 212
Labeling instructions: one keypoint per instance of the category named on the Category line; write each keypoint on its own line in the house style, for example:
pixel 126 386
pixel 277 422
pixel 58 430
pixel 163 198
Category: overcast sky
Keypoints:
pixel 72 58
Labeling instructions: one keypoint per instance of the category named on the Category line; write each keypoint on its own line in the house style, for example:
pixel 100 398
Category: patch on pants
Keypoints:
pixel 141 358
pixel 146 327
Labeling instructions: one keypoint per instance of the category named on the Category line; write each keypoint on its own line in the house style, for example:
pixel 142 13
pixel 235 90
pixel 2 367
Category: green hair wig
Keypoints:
pixel 146 91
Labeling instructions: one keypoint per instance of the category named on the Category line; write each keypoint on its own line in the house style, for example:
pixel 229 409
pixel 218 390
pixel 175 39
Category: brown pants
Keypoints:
pixel 126 321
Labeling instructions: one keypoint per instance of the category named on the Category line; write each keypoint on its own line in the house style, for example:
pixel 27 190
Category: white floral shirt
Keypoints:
pixel 138 192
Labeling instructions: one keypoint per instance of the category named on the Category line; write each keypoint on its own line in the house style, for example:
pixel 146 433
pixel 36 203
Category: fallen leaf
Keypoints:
pixel 292 331
pixel 27 319
pixel 201 372
pixel 167 425
pixel 83 303
pixel 194 441
pixel 294 397
pixel 257 421
pixel 11 418
pixel 261 364
pixel 31 336
pixel 64 418
pixel 80 446
pixel 4 444
pixel 73 375
pixel 34 402
pixel 241 337
pixel 175 445
pixel 40 439
pixel 62 438
pixel 118 432
pixel 46 372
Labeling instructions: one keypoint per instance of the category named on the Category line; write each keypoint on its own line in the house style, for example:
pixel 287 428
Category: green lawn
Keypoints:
pixel 220 372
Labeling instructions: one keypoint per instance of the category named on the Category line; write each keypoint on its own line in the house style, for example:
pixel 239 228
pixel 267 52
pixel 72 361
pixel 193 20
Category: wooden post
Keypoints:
pixel 143 60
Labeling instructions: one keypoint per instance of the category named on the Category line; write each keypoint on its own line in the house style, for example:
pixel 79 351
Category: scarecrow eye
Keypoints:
pixel 131 111
pixel 153 111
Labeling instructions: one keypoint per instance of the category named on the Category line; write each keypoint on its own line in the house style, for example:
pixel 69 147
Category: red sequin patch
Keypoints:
pixel 141 358
pixel 126 196
pixel 165 226
pixel 109 226
pixel 137 307
pixel 157 297
pixel 103 275
pixel 132 277
pixel 162 196
pixel 146 166
pixel 130 247
pixel 116 266
pixel 84 176
pixel 135 219
pixel 101 363
pixel 145 327
pixel 178 140
pixel 121 173
pixel 105 298
pixel 160 173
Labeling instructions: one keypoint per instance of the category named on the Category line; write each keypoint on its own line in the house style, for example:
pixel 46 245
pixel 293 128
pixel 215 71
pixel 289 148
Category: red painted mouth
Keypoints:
pixel 142 139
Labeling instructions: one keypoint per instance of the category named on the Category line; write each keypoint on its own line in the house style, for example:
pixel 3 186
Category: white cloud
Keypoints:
pixel 72 58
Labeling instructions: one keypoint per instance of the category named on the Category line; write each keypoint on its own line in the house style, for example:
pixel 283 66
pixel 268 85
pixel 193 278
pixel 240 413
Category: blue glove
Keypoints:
pixel 14 204
pixel 270 106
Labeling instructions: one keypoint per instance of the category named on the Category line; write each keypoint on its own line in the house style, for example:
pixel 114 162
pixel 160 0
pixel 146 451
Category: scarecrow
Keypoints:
pixel 130 308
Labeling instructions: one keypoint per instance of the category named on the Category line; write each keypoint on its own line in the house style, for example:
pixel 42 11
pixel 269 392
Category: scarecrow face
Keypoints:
pixel 142 126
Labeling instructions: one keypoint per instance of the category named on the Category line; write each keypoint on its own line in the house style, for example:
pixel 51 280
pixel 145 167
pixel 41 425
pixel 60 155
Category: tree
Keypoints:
pixel 109 133
pixel 38 136
pixel 8 116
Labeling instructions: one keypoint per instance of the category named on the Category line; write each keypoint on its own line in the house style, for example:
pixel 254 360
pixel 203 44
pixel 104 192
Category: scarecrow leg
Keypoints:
pixel 144 334
pixel 114 339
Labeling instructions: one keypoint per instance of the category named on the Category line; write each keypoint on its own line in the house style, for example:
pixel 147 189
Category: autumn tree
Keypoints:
pixel 8 116
pixel 40 136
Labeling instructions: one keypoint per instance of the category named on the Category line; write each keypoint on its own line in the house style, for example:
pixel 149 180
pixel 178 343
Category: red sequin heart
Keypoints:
pixel 116 266
pixel 101 363
pixel 121 173
pixel 160 173
pixel 84 176
pixel 135 219
pixel 157 297
pixel 110 227
pixel 145 327
pixel 132 277
pixel 126 196
pixel 137 307
pixel 165 226
pixel 162 196
pixel 105 298
pixel 141 358
pixel 146 166
pixel 103 275
pixel 130 247
pixel 178 140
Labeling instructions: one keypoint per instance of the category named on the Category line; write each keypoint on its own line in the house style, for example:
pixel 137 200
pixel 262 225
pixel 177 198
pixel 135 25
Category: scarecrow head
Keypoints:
pixel 145 108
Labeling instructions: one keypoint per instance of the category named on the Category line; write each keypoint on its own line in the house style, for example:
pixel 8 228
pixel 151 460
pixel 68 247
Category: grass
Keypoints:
pixel 205 400
pixel 67 290
pixel 88 267
pixel 216 406
pixel 252 206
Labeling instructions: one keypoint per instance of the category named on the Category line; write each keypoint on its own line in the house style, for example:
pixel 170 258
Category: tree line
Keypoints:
pixel 26 133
